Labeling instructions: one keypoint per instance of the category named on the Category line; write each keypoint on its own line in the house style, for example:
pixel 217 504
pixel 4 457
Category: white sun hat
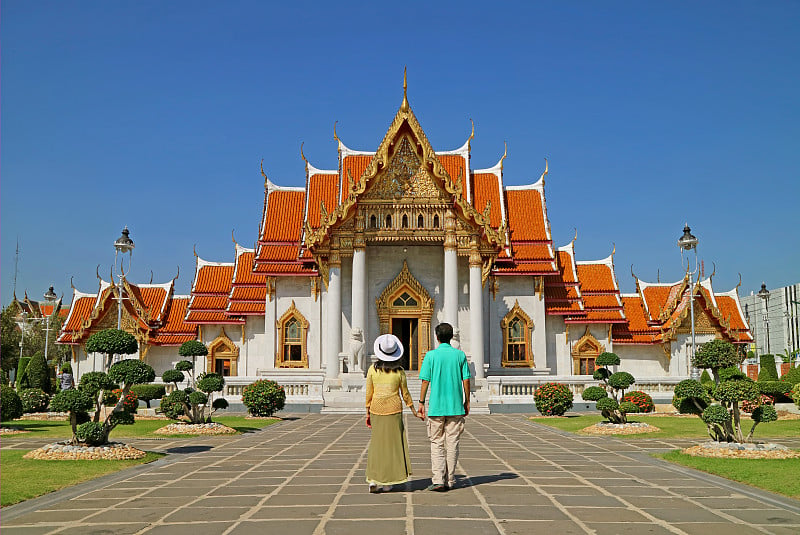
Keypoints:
pixel 388 347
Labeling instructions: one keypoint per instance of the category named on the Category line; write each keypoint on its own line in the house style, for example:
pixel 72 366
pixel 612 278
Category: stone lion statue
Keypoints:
pixel 357 355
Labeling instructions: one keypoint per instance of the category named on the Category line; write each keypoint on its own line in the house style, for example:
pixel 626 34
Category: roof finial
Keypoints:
pixel 713 270
pixel 613 250
pixel 96 272
pixel 658 275
pixel 303 156
pixel 178 275
pixel 505 153
pixel 151 277
pixel 404 105
pixel 334 131
pixel 194 250
pixel 233 237
pixel 472 134
pixel 74 288
pixel 545 170
pixel 740 283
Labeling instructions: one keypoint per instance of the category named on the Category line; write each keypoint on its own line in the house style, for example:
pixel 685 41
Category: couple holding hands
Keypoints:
pixel 445 373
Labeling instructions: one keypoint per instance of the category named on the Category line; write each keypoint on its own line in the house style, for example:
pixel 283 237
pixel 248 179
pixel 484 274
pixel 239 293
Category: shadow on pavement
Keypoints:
pixel 184 450
pixel 462 481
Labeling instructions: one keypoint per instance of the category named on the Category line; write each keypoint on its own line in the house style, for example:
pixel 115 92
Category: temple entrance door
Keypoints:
pixel 406 329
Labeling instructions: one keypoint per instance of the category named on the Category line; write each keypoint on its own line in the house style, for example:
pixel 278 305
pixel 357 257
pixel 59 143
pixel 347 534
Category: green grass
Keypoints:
pixel 23 479
pixel 775 475
pixel 140 429
pixel 673 426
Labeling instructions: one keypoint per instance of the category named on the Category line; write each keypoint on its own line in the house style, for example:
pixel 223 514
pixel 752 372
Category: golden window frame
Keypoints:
pixel 516 312
pixel 585 348
pixel 292 313
pixel 222 347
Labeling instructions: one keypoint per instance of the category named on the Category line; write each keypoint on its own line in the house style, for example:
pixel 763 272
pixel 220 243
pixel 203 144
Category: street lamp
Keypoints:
pixel 50 300
pixel 124 244
pixel 763 293
pixel 687 243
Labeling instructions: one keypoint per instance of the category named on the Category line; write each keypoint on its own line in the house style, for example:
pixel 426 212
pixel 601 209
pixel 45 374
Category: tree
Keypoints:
pixel 75 402
pixel 716 355
pixel 193 349
pixel 10 404
pixel 614 408
pixel 112 342
pixel 38 373
pixel 191 403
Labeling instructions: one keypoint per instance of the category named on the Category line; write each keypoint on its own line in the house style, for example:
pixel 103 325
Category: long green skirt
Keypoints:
pixel 388 462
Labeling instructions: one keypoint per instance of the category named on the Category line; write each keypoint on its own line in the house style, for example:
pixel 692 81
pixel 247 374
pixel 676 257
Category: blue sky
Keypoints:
pixel 156 115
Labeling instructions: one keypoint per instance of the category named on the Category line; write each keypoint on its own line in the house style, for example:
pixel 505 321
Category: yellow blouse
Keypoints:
pixel 383 392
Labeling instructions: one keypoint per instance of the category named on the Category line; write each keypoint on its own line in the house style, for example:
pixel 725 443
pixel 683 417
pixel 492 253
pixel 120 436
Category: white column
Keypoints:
pixel 451 287
pixel 359 289
pixel 476 317
pixel 334 322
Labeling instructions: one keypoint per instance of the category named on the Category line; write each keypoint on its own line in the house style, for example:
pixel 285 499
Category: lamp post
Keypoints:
pixel 124 244
pixel 50 299
pixel 763 293
pixel 687 243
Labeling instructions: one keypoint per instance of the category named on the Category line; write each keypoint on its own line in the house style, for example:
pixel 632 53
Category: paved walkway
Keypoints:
pixel 306 477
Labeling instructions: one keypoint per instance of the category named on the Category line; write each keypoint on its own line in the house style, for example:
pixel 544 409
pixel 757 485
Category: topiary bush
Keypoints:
pixel 768 371
pixel 613 383
pixel 10 404
pixel 264 397
pixel 641 400
pixel 792 376
pixel 149 392
pixel 731 389
pixel 628 407
pixel 34 400
pixel 778 391
pixel 38 373
pixel 553 399
pixel 77 403
pixel 196 405
pixel 91 433
pixel 193 349
pixel 112 342
pixel 21 380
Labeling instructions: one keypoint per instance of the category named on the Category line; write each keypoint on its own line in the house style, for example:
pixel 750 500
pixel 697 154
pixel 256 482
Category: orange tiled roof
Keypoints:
pixel 214 316
pixel 210 290
pixel 243 272
pixel 212 278
pixel 175 330
pixel 246 308
pixel 285 268
pixel 657 296
pixel 526 216
pixel 322 189
pixel 283 217
pixel 487 189
pixel 455 165
pixel 353 166
pixel 245 293
pixel 596 278
pixel 731 312
pixel 79 311
pixel 637 330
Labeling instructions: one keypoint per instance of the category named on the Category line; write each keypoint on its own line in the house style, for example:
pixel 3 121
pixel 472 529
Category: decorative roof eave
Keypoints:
pixel 581 320
pixel 538 186
pixel 734 294
pixel 76 295
pixel 314 237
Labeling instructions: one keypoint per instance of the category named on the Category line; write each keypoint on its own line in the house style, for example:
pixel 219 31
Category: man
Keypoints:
pixel 446 372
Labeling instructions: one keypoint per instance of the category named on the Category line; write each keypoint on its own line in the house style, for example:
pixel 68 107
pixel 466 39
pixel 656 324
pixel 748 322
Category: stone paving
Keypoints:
pixel 305 476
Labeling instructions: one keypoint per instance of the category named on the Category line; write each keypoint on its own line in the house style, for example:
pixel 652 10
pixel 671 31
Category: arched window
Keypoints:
pixel 388 221
pixel 584 354
pixel 517 329
pixel 373 221
pixel 293 329
pixel 436 221
pixel 404 224
pixel 420 221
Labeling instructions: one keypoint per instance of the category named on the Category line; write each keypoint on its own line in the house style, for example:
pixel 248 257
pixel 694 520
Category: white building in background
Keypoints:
pixel 398 240
pixel 774 321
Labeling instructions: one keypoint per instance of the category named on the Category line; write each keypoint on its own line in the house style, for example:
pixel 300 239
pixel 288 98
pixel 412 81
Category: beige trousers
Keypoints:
pixel 444 433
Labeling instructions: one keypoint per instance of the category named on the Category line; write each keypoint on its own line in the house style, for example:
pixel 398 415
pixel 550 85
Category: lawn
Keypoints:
pixel 776 475
pixel 24 479
pixel 140 429
pixel 672 426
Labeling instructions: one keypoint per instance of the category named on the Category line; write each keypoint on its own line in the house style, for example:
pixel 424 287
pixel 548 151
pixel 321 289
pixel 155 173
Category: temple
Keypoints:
pixel 398 240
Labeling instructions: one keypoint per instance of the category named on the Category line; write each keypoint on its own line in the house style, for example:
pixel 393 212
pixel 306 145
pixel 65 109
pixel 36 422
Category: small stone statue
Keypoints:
pixel 357 356
pixel 456 341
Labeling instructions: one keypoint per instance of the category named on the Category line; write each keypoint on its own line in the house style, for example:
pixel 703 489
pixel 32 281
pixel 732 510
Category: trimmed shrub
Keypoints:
pixel 34 400
pixel 641 400
pixel 91 433
pixel 768 371
pixel 21 380
pixel 173 376
pixel 38 373
pixel 717 354
pixel 184 366
pixel 77 403
pixel 621 380
pixel 628 407
pixel 10 404
pixel 705 377
pixel 765 413
pixel 607 404
pixel 792 376
pixel 777 390
pixel 112 342
pixel 716 414
pixel 264 397
pixel 131 372
pixel 149 392
pixel 593 393
pixel 731 373
pixel 553 399
pixel 607 359
pixel 171 405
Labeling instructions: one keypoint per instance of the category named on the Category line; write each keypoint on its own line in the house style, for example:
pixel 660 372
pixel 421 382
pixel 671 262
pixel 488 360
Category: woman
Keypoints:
pixel 65 377
pixel 388 462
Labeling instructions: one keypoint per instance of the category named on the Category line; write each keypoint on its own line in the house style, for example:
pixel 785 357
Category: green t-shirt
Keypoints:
pixel 445 368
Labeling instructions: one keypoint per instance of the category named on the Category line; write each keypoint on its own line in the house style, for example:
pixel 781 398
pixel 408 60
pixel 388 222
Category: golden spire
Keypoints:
pixel 505 153
pixel 404 105
pixel 334 131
